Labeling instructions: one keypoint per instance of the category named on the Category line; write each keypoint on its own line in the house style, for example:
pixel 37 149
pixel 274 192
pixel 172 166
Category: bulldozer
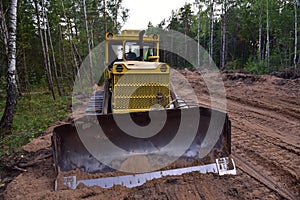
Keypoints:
pixel 136 127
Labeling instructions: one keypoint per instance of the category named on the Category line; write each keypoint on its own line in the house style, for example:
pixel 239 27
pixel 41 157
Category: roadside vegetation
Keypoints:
pixel 36 111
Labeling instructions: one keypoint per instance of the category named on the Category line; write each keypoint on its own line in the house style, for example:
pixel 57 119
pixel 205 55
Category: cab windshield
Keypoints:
pixel 130 50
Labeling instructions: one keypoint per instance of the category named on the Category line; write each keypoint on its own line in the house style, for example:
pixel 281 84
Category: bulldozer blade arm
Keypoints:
pixel 80 147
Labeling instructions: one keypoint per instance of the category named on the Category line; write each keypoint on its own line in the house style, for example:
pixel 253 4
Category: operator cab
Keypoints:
pixel 132 45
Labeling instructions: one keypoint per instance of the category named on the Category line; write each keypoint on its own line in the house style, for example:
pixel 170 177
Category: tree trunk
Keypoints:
pixel 260 35
pixel 12 92
pixel 49 78
pixel 224 21
pixel 296 36
pixel 88 43
pixel 268 39
pixel 211 46
pixel 104 16
pixel 60 54
pixel 172 58
pixel 92 38
pixel 65 76
pixel 27 84
pixel 185 50
pixel 49 71
pixel 198 34
pixel 53 57
pixel 76 69
pixel 4 31
pixel 63 55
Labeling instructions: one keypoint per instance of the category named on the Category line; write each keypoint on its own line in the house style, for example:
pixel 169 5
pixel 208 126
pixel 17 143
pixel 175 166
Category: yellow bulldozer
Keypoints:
pixel 136 128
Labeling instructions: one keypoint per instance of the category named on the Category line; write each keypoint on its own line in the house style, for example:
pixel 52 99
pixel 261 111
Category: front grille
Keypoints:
pixel 141 91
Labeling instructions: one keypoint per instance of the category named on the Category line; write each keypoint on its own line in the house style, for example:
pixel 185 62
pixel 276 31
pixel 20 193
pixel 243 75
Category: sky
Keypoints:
pixel 143 11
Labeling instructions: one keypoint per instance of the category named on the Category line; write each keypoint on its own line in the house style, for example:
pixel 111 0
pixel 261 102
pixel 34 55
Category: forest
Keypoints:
pixel 52 37
pixel 43 43
pixel 254 36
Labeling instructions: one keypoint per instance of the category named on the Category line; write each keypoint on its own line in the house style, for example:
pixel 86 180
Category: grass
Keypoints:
pixel 34 114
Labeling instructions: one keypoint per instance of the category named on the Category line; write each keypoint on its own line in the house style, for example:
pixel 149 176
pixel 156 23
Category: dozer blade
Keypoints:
pixel 94 150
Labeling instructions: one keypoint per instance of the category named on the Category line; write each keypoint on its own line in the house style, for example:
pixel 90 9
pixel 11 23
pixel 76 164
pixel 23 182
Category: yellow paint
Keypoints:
pixel 137 85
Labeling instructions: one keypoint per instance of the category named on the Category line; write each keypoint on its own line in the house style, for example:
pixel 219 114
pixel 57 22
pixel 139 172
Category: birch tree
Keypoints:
pixel 72 45
pixel 46 50
pixel 260 32
pixel 88 42
pixel 12 92
pixel 223 30
pixel 53 56
pixel 199 7
pixel 268 38
pixel 296 4
pixel 44 47
pixel 104 17
pixel 211 44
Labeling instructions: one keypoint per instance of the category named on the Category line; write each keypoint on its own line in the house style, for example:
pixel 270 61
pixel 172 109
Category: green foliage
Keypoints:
pixel 256 67
pixel 232 65
pixel 245 19
pixel 67 30
pixel 35 113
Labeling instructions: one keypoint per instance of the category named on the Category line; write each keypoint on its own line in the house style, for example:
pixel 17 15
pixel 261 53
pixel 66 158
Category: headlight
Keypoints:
pixel 109 35
pixel 155 37
pixel 119 68
pixel 164 68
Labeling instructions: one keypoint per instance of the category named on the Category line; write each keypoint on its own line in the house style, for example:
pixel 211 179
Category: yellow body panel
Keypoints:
pixel 141 87
pixel 137 86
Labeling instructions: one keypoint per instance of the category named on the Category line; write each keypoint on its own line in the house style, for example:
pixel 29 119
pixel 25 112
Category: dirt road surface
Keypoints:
pixel 265 114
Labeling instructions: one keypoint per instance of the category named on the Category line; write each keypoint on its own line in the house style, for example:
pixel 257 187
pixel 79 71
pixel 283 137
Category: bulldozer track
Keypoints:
pixel 265 137
pixel 271 184
pixel 265 141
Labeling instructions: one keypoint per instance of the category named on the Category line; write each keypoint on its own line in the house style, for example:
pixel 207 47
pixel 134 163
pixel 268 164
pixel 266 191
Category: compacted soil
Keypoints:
pixel 265 115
